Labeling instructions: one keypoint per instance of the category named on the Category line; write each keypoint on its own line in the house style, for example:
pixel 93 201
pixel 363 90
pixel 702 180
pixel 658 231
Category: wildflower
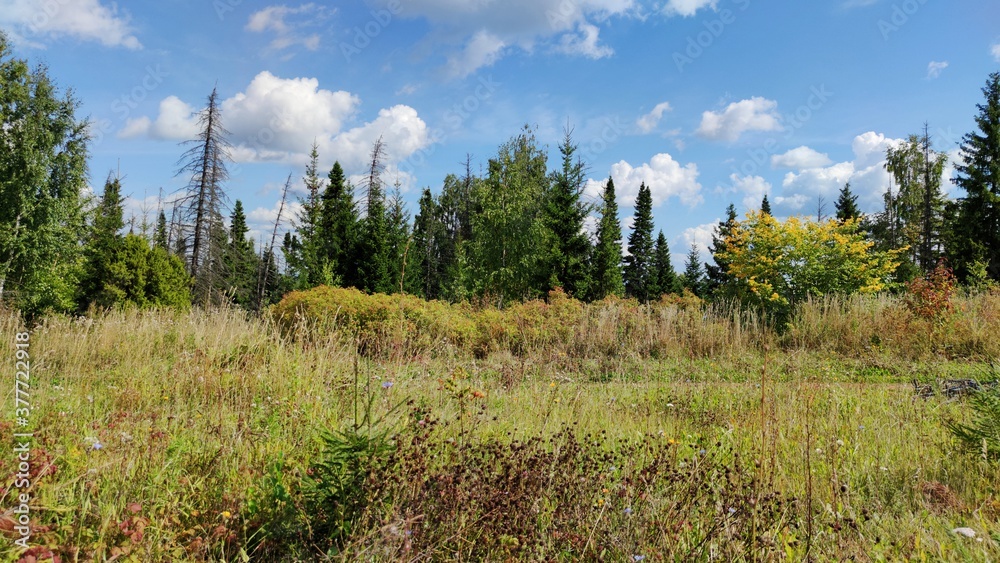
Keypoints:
pixel 628 510
pixel 671 405
pixel 701 451
pixel 732 510
pixel 861 427
pixel 386 384
pixel 553 384
pixel 97 445
pixel 840 443
pixel 638 557
pixel 226 514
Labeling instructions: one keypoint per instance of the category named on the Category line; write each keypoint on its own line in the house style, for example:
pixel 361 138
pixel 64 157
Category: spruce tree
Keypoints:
pixel 608 250
pixel 373 258
pixel 339 228
pixel 917 171
pixel 315 264
pixel 563 215
pixel 429 235
pixel 718 273
pixel 976 230
pixel 765 205
pixel 160 236
pixel 664 279
pixel 241 261
pixel 693 278
pixel 847 205
pixel 638 264
pixel 401 273
pixel 103 248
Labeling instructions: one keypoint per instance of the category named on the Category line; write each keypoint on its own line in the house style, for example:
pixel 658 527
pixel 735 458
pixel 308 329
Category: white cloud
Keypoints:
pixel 289 25
pixel 664 176
pixel 754 114
pixel 483 49
pixel 701 237
pixel 86 20
pixel 753 188
pixel 584 43
pixel 176 121
pixel 866 174
pixel 649 121
pixel 687 7
pixel 934 69
pixel 489 30
pixel 800 158
pixel 277 119
pixel 995 51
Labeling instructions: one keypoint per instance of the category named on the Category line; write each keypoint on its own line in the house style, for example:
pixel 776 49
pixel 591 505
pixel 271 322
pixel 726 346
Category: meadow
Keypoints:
pixel 349 427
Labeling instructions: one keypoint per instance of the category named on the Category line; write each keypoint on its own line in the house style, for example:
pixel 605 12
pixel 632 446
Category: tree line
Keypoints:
pixel 515 231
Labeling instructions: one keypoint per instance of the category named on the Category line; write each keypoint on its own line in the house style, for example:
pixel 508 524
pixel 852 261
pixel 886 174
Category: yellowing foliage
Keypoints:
pixel 775 263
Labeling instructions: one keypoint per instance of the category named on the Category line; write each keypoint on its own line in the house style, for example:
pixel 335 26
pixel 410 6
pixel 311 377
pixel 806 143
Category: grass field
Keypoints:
pixel 686 435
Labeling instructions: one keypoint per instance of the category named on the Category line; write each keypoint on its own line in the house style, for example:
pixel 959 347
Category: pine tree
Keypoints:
pixel 563 215
pixel 608 250
pixel 718 273
pixel 664 279
pixel 693 278
pixel 976 231
pixel 206 162
pixel 765 205
pixel 401 273
pixel 847 205
pixel 638 273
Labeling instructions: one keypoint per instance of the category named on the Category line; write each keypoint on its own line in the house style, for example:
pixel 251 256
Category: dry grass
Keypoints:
pixel 209 427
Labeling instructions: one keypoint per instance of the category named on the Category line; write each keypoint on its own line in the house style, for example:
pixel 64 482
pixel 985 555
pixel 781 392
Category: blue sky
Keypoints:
pixel 708 102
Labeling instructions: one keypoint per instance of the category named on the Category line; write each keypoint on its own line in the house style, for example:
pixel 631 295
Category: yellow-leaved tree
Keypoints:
pixel 774 264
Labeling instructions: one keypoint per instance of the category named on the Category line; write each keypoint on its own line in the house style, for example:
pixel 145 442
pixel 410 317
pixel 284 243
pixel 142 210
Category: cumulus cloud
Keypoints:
pixel 487 31
pixel 649 121
pixel 664 176
pixel 86 20
pixel 753 189
pixel 687 7
pixel 289 25
pixel 995 51
pixel 800 158
pixel 701 237
pixel 176 121
pixel 754 114
pixel 277 119
pixel 866 174
pixel 934 69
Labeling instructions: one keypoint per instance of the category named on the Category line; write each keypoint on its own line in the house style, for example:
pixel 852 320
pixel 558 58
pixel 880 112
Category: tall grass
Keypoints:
pixel 553 430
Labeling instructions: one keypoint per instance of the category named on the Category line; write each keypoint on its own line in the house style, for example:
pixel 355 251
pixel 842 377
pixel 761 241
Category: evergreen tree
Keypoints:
pixel 103 248
pixel 160 237
pixel 693 278
pixel 563 216
pixel 339 228
pixel 765 205
pixel 976 230
pixel 457 206
pixel 43 170
pixel 847 205
pixel 429 235
pixel 241 261
pixel 664 279
pixel 374 260
pixel 401 274
pixel 314 261
pixel 638 273
pixel 718 273
pixel 608 250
